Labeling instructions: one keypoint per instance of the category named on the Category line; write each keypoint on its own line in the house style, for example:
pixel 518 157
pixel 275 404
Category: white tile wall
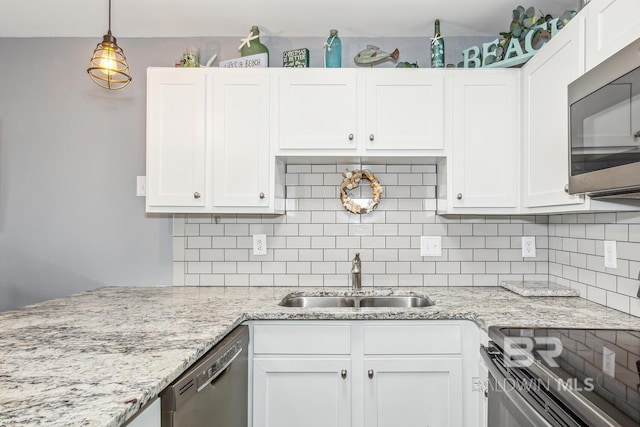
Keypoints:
pixel 576 257
pixel 313 244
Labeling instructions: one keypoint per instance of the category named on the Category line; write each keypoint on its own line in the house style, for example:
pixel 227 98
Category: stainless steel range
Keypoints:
pixel 563 377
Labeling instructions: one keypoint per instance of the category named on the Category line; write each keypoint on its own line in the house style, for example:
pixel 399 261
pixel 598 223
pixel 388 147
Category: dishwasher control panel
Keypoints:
pixel 218 365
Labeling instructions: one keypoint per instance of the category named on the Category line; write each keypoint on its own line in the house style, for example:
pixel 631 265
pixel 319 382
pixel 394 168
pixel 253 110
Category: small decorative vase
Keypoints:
pixel 333 51
pixel 252 44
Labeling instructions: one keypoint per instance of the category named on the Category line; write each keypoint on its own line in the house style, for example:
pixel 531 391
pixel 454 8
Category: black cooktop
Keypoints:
pixel 601 365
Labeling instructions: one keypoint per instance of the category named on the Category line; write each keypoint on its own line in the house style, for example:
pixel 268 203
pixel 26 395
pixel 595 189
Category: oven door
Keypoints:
pixel 507 407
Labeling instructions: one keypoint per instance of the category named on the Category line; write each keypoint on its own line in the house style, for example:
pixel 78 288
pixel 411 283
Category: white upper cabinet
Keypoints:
pixel 316 109
pixel 404 110
pixel 545 134
pixel 176 149
pixel 240 126
pixel 351 111
pixel 611 25
pixel 484 126
pixel 208 142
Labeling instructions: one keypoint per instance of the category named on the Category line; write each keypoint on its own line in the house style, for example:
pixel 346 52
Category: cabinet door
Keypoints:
pixel 240 126
pixel 404 110
pixel 417 392
pixel 317 110
pixel 294 392
pixel 546 117
pixel 485 139
pixel 612 25
pixel 175 137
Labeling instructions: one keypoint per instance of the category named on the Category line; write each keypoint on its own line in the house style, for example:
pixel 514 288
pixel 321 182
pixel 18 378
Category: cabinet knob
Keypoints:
pixel 459 196
pixel 343 373
pixel 371 137
pixel 566 188
pixel 262 195
pixel 350 137
pixel 370 373
pixel 636 134
pixel 196 195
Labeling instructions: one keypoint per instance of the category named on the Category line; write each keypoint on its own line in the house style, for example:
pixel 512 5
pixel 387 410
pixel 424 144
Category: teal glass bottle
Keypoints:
pixel 333 51
pixel 437 48
pixel 254 46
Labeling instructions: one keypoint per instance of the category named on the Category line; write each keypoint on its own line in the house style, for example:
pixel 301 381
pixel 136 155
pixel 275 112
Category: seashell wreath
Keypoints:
pixel 351 181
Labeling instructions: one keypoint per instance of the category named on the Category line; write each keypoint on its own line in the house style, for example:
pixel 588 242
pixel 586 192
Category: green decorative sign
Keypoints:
pixel 296 58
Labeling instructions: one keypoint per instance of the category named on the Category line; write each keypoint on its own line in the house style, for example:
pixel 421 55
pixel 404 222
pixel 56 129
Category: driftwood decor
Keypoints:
pixel 352 181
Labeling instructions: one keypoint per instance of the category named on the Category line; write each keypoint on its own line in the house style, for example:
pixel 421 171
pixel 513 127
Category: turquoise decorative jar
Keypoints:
pixel 333 51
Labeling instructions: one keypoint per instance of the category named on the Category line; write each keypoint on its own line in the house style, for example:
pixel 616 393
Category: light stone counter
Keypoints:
pixel 96 358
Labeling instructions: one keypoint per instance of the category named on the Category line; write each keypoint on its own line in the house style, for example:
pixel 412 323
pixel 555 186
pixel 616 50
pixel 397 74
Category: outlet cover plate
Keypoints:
pixel 141 186
pixel 431 246
pixel 528 246
pixel 259 244
pixel 610 254
pixel 608 362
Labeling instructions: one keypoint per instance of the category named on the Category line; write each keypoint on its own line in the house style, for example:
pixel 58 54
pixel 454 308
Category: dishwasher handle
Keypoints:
pixel 221 369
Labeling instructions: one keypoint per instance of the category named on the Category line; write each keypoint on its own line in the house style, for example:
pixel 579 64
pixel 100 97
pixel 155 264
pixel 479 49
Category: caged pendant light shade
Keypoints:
pixel 108 67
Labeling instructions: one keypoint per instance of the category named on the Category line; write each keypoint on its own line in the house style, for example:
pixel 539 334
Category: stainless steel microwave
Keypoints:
pixel 604 128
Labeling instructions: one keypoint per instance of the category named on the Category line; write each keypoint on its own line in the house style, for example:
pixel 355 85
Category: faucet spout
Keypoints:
pixel 356 272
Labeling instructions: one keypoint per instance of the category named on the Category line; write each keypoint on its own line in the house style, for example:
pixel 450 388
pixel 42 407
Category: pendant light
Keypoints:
pixel 108 67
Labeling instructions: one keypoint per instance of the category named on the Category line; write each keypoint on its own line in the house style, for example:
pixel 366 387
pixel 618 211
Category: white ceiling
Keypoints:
pixel 285 18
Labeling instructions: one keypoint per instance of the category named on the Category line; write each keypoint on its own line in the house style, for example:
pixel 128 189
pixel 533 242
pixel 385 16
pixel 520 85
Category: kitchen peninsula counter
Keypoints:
pixel 96 358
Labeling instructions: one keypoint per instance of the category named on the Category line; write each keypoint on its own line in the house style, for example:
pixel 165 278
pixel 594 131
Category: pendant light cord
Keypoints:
pixel 109 18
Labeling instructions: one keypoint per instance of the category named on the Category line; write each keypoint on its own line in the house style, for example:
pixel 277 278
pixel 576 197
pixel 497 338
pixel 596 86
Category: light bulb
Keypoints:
pixel 107 62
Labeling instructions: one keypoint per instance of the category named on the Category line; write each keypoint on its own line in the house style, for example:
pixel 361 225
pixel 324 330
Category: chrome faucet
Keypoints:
pixel 356 272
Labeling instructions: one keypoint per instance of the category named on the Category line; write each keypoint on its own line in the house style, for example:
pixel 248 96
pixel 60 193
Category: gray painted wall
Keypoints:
pixel 70 153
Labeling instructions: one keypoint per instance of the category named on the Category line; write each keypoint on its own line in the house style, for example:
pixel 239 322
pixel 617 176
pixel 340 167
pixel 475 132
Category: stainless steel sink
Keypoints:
pixel 356 301
pixel 396 301
pixel 317 301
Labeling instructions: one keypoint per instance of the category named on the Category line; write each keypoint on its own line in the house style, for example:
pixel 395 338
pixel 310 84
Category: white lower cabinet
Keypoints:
pixel 413 392
pixel 290 392
pixel 365 373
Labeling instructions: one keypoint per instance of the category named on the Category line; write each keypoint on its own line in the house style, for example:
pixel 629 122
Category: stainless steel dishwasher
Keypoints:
pixel 214 391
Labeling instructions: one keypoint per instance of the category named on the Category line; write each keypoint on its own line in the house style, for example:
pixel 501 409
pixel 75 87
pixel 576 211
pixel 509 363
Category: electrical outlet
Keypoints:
pixel 259 244
pixel 610 254
pixel 608 362
pixel 431 246
pixel 528 246
pixel 141 186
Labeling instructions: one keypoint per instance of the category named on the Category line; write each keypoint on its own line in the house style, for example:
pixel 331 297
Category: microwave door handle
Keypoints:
pixel 527 411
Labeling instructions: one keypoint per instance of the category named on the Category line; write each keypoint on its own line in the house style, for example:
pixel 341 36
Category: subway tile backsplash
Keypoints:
pixel 313 244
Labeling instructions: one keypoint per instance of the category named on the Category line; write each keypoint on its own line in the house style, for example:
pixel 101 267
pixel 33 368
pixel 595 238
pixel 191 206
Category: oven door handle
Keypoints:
pixel 512 394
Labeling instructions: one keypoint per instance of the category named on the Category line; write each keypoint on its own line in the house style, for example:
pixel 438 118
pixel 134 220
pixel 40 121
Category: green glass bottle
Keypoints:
pixel 437 48
pixel 253 46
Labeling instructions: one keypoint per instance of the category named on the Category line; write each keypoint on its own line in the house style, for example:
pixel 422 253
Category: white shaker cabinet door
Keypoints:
pixel 545 150
pixel 415 392
pixel 311 392
pixel 317 110
pixel 176 155
pixel 611 25
pixel 240 127
pixel 485 139
pixel 404 110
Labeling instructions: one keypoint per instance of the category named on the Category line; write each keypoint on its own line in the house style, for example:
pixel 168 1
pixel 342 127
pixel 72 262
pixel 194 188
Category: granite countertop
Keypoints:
pixel 97 357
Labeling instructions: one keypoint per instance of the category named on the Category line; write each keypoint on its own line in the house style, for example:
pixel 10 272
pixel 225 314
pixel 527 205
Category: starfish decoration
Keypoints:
pixel 247 40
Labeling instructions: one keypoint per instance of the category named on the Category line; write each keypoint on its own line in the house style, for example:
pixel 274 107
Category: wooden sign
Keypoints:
pixel 515 54
pixel 259 60
pixel 296 58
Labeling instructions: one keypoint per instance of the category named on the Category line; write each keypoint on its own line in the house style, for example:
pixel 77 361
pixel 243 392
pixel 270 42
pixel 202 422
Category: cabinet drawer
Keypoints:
pixel 302 339
pixel 419 339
